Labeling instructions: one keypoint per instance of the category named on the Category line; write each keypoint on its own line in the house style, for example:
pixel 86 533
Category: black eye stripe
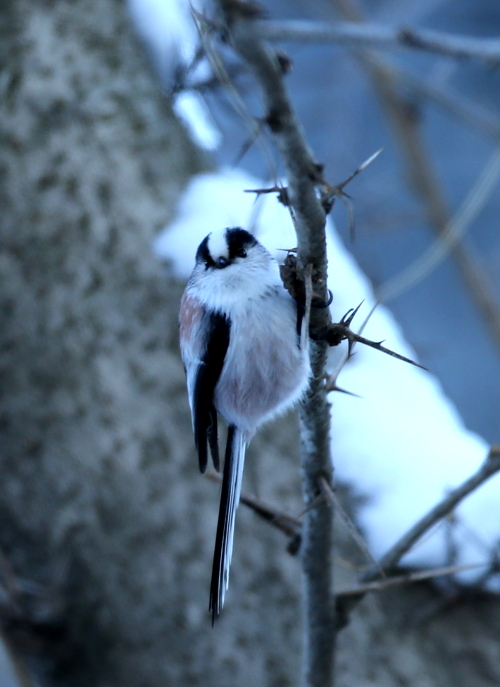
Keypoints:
pixel 203 254
pixel 239 241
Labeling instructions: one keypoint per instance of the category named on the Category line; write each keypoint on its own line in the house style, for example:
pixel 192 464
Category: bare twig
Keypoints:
pixel 472 114
pixel 302 173
pixel 282 521
pixel 423 178
pixel 388 37
pixel 418 576
pixel 340 331
pixel 450 235
pixel 490 467
pixel 390 560
pixel 329 193
pixel 356 536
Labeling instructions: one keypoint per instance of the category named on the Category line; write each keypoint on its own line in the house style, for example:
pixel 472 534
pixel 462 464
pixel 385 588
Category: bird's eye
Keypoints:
pixel 241 253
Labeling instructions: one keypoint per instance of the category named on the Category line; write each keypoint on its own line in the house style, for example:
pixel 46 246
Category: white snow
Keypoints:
pixel 192 109
pixel 167 29
pixel 403 444
pixel 169 33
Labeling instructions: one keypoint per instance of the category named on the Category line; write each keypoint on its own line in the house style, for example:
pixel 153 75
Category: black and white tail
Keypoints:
pixel 230 497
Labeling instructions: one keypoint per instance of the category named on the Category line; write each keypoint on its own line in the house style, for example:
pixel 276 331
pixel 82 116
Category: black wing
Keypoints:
pixel 205 416
pixel 301 311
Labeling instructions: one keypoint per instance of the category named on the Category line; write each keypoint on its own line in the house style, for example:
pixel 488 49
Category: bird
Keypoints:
pixel 245 350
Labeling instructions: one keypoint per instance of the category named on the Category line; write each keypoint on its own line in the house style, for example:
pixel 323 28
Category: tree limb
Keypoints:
pixel 303 174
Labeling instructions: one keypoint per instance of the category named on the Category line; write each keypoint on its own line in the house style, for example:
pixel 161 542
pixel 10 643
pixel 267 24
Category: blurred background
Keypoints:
pixel 106 527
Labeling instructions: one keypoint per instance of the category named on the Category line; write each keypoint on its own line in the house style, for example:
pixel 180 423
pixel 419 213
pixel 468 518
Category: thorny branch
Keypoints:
pixel 327 193
pixel 380 576
pixel 414 576
pixel 291 527
pixel 386 77
pixel 333 333
pixel 340 331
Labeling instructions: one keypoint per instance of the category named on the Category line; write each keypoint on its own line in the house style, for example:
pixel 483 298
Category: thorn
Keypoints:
pixel 320 303
pixel 357 171
pixel 280 190
pixel 350 211
pixel 373 157
pixel 350 315
pixel 334 387
pixel 383 349
pixel 341 331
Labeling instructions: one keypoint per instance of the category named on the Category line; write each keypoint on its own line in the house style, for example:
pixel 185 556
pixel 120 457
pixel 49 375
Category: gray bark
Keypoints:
pixel 101 503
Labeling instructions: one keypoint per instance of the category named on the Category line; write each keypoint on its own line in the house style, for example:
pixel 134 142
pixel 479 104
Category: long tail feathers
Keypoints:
pixel 230 497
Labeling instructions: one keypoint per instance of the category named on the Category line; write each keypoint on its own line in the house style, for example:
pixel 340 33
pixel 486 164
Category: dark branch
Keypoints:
pixel 341 331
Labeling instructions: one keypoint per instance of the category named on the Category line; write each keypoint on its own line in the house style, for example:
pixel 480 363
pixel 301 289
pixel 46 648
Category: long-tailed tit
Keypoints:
pixel 244 347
